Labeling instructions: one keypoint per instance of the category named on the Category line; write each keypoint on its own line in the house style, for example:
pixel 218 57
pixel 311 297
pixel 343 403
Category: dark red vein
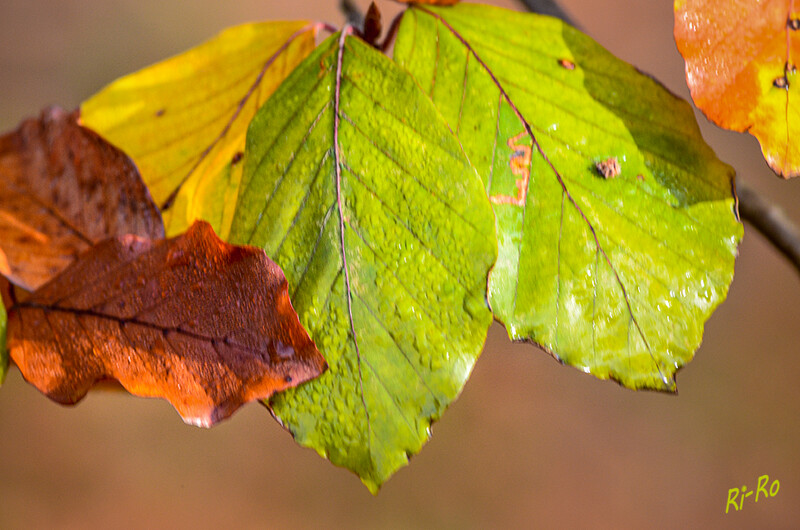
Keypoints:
pixel 20 307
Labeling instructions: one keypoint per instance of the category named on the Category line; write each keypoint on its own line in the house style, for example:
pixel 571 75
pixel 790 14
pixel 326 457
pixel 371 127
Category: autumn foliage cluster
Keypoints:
pixel 330 230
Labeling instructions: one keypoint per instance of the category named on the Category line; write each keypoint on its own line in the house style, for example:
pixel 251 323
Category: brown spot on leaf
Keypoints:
pixel 566 63
pixel 793 23
pixel 208 332
pixel 237 158
pixel 609 168
pixel 640 177
pixel 781 82
pixel 160 112
pixel 520 165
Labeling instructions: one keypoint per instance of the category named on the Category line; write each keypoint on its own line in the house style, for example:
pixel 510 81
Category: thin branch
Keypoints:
pixel 759 213
pixel 773 224
pixel 549 7
pixel 352 13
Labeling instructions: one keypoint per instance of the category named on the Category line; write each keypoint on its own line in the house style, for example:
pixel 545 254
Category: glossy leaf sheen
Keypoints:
pixel 624 239
pixel 206 325
pixel 386 238
pixel 741 67
pixel 62 189
pixel 183 120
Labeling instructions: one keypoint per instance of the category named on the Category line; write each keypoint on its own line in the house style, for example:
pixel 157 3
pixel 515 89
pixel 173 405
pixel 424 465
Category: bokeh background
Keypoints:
pixel 530 443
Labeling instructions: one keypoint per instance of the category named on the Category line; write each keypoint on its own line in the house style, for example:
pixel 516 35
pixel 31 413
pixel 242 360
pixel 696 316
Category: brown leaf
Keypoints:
pixel 204 324
pixel 372 24
pixel 62 189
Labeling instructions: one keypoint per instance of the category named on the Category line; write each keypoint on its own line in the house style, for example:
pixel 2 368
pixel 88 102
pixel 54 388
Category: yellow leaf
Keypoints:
pixel 183 121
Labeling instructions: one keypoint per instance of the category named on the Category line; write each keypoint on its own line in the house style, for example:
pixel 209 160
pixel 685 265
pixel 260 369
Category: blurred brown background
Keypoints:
pixel 529 443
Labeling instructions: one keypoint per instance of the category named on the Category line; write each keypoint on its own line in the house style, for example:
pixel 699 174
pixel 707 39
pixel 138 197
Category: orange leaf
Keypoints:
pixel 62 189
pixel 204 324
pixel 741 69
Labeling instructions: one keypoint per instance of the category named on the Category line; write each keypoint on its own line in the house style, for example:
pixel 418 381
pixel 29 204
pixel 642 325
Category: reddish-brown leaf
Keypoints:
pixel 204 324
pixel 372 24
pixel 62 189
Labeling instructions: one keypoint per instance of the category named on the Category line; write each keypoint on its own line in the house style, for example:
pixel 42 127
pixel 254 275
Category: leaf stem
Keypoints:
pixel 549 7
pixel 770 220
pixel 324 26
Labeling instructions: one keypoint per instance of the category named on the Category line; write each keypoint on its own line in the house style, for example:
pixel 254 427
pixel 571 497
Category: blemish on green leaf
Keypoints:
pixel 614 275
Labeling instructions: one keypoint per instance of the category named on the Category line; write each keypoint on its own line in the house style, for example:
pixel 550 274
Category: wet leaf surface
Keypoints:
pixel 206 325
pixel 616 223
pixel 62 189
pixel 741 67
pixel 354 185
pixel 183 120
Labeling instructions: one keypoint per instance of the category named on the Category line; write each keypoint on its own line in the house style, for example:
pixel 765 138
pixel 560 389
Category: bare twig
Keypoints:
pixel 773 224
pixel 353 14
pixel 548 7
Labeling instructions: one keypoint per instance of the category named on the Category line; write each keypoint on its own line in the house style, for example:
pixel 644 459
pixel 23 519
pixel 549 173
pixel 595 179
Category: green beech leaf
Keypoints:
pixel 355 186
pixel 183 121
pixel 616 223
